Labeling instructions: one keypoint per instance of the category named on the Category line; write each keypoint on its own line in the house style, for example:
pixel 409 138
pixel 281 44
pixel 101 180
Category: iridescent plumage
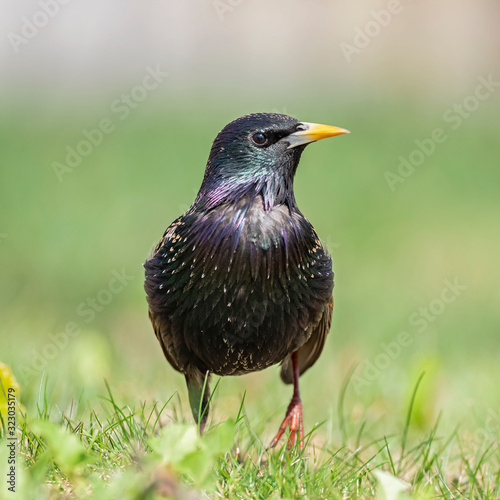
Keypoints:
pixel 241 280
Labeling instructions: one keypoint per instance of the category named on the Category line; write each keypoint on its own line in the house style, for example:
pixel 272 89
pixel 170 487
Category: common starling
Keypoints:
pixel 241 281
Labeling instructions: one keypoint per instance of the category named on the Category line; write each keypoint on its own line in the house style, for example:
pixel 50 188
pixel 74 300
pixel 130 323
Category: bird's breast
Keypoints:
pixel 242 286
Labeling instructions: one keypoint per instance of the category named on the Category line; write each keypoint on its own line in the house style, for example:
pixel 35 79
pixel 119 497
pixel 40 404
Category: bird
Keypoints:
pixel 241 280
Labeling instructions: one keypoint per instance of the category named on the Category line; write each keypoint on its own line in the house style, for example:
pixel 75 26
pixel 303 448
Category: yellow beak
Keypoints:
pixel 313 132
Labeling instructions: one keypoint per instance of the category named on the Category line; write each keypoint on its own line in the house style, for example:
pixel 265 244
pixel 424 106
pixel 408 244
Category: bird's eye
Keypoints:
pixel 259 139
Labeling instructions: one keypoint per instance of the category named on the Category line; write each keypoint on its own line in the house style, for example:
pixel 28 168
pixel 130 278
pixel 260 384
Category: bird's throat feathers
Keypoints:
pixel 272 190
pixel 231 185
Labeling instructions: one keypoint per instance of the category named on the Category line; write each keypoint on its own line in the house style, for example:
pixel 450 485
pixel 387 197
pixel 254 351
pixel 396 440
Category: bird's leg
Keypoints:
pixel 293 418
pixel 199 395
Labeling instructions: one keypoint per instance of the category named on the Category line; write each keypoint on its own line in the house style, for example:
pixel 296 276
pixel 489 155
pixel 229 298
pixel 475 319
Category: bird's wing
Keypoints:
pixel 156 322
pixel 159 307
pixel 311 350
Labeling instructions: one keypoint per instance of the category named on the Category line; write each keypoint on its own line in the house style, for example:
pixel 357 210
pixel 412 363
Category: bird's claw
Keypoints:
pixel 295 421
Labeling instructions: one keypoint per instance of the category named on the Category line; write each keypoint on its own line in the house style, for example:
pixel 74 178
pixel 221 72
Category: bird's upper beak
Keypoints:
pixel 313 132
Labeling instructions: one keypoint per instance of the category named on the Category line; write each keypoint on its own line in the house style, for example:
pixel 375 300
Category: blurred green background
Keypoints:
pixel 62 236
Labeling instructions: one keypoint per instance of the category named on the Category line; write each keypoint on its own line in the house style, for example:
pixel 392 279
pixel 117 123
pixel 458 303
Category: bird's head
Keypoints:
pixel 258 154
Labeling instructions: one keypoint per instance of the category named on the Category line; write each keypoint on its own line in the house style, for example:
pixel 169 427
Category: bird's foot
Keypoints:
pixel 293 420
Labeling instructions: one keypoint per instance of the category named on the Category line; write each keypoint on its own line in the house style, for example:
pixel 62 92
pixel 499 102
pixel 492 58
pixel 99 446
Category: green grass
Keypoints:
pixel 132 436
pixel 113 450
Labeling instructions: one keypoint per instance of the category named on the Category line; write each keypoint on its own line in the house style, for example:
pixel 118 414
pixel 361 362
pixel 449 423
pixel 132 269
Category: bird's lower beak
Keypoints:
pixel 313 132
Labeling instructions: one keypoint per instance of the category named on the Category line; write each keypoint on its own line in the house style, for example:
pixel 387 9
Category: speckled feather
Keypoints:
pixel 238 289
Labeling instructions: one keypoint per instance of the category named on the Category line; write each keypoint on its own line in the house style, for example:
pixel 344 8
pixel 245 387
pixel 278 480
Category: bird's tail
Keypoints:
pixel 199 395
